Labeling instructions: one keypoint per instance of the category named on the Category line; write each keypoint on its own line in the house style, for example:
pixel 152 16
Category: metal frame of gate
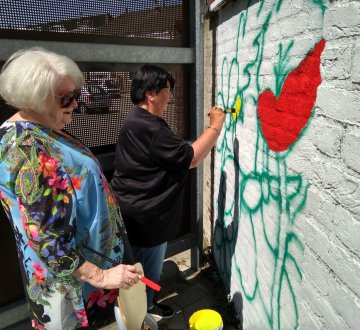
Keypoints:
pixel 192 56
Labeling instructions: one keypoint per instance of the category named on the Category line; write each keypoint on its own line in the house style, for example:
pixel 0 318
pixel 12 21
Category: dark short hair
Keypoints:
pixel 149 78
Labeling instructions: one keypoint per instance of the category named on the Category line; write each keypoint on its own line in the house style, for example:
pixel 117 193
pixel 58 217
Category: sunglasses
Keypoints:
pixel 66 100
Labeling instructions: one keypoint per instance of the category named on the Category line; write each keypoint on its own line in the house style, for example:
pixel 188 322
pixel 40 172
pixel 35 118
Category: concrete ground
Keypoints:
pixel 187 292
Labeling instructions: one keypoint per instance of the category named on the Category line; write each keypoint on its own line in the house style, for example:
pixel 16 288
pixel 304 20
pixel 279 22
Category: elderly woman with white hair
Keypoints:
pixel 56 197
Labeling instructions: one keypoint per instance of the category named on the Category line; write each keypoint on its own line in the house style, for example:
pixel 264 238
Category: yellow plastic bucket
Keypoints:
pixel 205 319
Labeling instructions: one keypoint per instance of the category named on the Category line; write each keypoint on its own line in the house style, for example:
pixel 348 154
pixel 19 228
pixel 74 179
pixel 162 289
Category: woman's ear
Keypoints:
pixel 150 95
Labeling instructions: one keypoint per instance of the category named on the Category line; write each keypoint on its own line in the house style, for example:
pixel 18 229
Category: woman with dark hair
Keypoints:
pixel 56 197
pixel 152 165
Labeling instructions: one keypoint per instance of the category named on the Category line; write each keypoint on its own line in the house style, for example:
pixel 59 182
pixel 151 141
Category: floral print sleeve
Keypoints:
pixel 44 193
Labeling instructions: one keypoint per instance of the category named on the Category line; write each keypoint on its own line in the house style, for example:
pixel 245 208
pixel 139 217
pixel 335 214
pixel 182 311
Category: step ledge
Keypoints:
pixel 13 313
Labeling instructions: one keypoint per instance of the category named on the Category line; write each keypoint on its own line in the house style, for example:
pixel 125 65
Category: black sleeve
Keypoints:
pixel 169 151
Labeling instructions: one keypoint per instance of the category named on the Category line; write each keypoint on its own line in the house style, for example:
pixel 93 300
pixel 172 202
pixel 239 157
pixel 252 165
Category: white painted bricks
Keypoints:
pixel 315 223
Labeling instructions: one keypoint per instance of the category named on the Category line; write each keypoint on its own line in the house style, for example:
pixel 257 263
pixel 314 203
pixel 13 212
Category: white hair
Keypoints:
pixel 28 78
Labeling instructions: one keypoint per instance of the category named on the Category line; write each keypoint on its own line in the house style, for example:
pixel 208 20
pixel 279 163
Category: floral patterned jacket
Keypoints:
pixel 58 202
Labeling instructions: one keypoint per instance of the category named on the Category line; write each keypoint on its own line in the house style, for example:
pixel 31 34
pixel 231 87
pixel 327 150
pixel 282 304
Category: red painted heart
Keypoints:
pixel 282 119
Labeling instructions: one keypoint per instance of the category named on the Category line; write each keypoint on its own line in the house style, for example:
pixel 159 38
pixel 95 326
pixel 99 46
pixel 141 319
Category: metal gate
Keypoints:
pixel 109 40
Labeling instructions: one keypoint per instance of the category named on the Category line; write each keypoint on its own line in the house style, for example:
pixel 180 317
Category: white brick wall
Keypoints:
pixel 286 225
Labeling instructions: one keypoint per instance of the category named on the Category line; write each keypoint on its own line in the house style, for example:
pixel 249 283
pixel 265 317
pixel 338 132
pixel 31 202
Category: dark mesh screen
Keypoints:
pixel 105 100
pixel 97 123
pixel 97 126
pixel 164 22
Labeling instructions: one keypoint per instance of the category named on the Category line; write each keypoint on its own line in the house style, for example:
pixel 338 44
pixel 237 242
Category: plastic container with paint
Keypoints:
pixel 206 319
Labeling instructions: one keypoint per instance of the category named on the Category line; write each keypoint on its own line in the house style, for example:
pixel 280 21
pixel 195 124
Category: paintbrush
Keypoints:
pixel 143 279
pixel 232 110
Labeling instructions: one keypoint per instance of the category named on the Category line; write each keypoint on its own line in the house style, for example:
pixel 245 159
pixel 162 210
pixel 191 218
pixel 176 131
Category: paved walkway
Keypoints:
pixel 187 292
pixel 184 290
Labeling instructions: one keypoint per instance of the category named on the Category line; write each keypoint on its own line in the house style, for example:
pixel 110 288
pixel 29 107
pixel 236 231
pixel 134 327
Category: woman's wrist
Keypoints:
pixel 214 128
pixel 91 274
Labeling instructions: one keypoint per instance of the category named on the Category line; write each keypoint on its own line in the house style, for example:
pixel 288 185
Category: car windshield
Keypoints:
pixel 93 89
pixel 110 83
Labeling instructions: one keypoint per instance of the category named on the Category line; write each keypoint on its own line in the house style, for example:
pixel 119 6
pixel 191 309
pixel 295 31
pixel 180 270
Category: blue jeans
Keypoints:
pixel 152 259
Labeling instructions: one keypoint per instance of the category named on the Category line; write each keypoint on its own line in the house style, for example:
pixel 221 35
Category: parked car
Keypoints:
pixel 93 99
pixel 110 85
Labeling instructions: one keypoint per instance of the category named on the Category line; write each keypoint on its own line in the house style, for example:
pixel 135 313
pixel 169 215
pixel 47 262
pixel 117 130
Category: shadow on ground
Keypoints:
pixel 189 291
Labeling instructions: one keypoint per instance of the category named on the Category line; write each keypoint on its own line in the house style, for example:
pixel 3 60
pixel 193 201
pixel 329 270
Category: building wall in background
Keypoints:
pixel 285 202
